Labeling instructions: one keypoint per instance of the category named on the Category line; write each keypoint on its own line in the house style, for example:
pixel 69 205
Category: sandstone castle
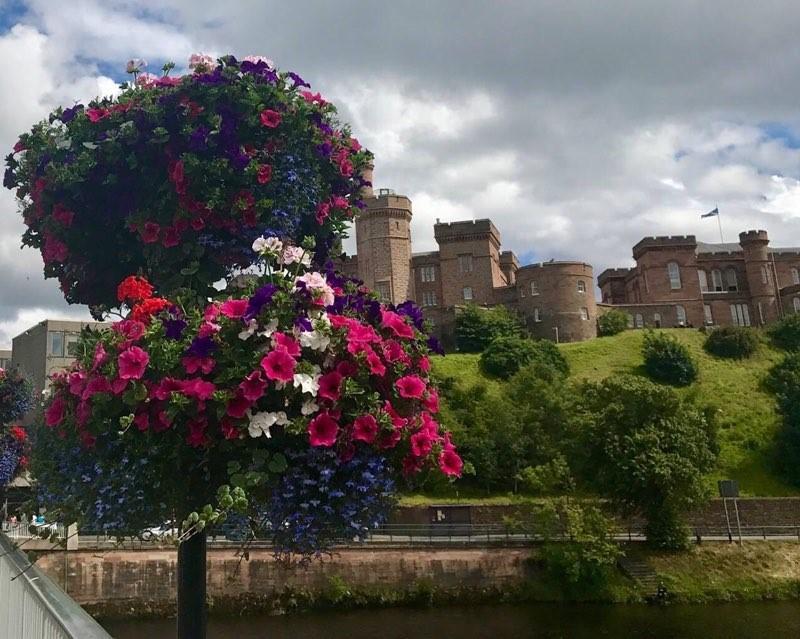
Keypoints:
pixel 677 281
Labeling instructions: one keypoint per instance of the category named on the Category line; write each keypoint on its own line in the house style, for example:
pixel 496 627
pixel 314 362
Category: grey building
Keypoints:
pixel 5 358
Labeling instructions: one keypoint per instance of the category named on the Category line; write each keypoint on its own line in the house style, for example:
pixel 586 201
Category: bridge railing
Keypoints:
pixel 33 607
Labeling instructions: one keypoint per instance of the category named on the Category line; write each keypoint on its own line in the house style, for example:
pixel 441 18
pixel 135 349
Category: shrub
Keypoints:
pixel 667 360
pixel 647 449
pixel 786 333
pixel 506 355
pixel 783 380
pixel 588 552
pixel 477 327
pixel 612 322
pixel 734 342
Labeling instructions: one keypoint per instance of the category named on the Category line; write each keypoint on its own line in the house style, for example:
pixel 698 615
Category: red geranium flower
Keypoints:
pixel 134 289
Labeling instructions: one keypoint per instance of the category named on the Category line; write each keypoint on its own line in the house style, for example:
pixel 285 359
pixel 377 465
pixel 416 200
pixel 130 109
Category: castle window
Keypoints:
pixel 639 320
pixel 534 288
pixel 429 298
pixel 657 320
pixel 795 276
pixel 55 343
pixel 467 292
pixel 581 286
pixel 537 316
pixel 730 279
pixel 716 279
pixel 427 273
pixel 584 313
pixel 764 275
pixel 740 315
pixel 707 315
pixel 701 274
pixel 796 304
pixel 465 263
pixel 680 312
pixel 630 320
pixel 382 288
pixel 674 272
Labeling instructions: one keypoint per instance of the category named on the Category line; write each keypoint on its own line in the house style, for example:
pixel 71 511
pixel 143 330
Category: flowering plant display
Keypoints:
pixel 176 176
pixel 15 400
pixel 295 386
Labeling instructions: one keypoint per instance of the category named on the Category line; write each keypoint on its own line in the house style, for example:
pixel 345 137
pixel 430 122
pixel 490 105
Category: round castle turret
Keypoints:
pixel 760 276
pixel 558 295
pixel 383 243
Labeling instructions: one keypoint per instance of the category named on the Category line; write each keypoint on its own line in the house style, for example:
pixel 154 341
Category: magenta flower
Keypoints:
pixel 238 406
pixel 396 324
pixel 365 429
pixel 270 118
pixel 330 386
pixel 253 386
pixel 322 430
pixel 55 412
pixel 450 463
pixel 197 388
pixel 279 366
pixel 284 342
pixel 264 173
pixel 132 363
pixel 233 308
pixel 410 387
pixel 421 443
pixel 150 232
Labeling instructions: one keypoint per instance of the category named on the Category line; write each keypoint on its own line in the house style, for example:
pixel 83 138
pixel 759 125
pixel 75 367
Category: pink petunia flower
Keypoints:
pixel 238 406
pixel 132 363
pixel 149 232
pixel 330 386
pixel 396 324
pixel 54 414
pixel 450 463
pixel 253 386
pixel 198 388
pixel 322 430
pixel 284 342
pixel 279 366
pixel 264 173
pixel 365 429
pixel 410 387
pixel 270 118
pixel 233 308
pixel 421 443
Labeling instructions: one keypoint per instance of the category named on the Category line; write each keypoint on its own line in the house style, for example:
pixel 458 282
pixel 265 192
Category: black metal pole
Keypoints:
pixel 192 587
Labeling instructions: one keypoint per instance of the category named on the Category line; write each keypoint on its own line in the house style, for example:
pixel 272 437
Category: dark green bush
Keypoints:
pixel 786 333
pixel 667 360
pixel 612 322
pixel 477 327
pixel 506 355
pixel 734 342
pixel 783 380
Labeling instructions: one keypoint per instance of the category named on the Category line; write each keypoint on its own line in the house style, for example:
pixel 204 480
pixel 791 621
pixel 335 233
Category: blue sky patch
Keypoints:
pixel 783 132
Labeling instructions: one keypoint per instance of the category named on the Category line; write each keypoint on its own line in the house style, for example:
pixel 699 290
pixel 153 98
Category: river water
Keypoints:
pixel 540 621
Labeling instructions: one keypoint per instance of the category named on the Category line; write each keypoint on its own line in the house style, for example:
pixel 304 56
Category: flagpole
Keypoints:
pixel 719 222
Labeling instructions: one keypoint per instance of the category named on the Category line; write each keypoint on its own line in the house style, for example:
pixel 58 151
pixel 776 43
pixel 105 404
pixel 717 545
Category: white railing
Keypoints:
pixel 33 607
pixel 18 532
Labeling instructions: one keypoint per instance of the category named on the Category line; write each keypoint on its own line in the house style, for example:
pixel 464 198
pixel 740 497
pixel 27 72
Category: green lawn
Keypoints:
pixel 746 415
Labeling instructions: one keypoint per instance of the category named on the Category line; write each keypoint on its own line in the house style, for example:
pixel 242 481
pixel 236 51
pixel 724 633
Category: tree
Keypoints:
pixel 647 449
pixel 667 360
pixel 477 327
pixel 612 322
pixel 783 380
pixel 733 342
pixel 786 333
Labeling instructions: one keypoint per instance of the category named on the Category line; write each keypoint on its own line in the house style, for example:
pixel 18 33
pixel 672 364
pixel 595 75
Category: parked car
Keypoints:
pixel 167 530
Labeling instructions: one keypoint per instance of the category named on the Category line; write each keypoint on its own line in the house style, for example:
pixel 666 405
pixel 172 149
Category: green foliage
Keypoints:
pixel 784 381
pixel 587 553
pixel 612 322
pixel 506 355
pixel 786 333
pixel 477 327
pixel 647 449
pixel 734 342
pixel 549 478
pixel 667 360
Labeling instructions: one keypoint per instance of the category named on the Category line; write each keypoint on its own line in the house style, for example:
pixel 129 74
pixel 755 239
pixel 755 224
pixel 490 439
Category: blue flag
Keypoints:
pixel 713 213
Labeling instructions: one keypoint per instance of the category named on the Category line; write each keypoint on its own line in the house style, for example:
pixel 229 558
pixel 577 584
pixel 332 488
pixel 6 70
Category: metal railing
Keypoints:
pixel 21 531
pixel 33 607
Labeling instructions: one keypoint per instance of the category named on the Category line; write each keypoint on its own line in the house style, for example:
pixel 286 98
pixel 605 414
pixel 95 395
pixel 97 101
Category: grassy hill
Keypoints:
pixel 746 416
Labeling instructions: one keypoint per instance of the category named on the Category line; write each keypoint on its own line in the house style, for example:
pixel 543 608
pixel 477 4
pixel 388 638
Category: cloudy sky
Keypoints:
pixel 578 127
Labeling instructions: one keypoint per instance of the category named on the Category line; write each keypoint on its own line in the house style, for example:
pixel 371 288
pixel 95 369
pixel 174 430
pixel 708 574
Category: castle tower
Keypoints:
pixel 383 244
pixel 760 276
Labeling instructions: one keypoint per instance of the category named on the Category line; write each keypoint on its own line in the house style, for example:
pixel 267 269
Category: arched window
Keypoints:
pixel 534 288
pixel 796 304
pixel 630 320
pixel 581 286
pixel 674 272
pixel 584 313
pixel 657 320
pixel 716 280
pixel 681 313
pixel 703 277
pixel 639 320
pixel 795 276
pixel 730 279
pixel 764 275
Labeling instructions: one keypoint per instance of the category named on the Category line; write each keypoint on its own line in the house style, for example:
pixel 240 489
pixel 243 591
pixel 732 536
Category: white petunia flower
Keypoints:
pixel 269 329
pixel 247 333
pixel 309 407
pixel 315 340
pixel 307 383
pixel 260 423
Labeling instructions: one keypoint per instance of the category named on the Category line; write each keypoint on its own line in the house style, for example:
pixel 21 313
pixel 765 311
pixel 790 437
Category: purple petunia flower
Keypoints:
pixel 259 299
pixel 411 310
pixel 68 114
pixel 201 347
pixel 198 140
pixel 173 328
pixel 297 80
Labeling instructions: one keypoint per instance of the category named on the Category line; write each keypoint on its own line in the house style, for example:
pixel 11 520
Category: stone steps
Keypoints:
pixel 640 571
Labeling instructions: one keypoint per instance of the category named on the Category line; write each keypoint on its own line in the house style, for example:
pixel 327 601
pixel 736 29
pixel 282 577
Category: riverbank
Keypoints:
pixel 133 584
